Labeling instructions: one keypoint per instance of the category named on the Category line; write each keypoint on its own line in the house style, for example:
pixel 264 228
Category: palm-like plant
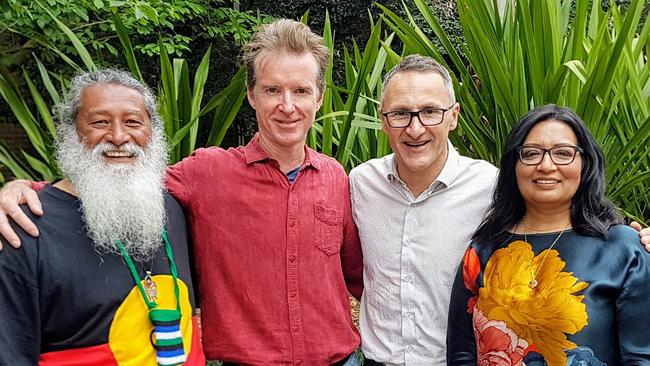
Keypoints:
pixel 180 105
pixel 533 53
pixel 539 52
pixel 348 126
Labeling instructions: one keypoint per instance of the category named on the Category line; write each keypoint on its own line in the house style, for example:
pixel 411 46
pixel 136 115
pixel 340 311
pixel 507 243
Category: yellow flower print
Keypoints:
pixel 542 316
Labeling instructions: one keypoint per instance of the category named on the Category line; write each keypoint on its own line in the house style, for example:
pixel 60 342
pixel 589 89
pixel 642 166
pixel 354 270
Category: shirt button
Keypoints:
pixel 293 295
pixel 405 243
pixel 410 348
pixel 407 278
pixel 295 329
pixel 292 223
pixel 298 362
pixel 292 258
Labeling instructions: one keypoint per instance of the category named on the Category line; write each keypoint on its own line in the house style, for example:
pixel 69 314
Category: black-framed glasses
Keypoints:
pixel 560 155
pixel 427 117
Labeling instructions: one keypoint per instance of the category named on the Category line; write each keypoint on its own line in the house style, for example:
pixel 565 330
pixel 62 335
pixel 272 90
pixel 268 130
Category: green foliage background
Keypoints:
pixel 572 53
pixel 186 28
pixel 177 23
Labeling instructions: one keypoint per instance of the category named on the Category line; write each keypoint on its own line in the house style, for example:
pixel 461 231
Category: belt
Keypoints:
pixel 371 362
pixel 339 363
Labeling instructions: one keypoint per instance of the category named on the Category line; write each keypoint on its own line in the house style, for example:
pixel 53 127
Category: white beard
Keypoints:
pixel 119 201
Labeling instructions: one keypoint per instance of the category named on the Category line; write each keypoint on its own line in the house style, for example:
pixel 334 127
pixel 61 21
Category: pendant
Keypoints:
pixel 533 283
pixel 150 287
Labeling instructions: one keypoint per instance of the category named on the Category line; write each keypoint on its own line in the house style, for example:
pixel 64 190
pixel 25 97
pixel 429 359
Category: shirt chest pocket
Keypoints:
pixel 328 224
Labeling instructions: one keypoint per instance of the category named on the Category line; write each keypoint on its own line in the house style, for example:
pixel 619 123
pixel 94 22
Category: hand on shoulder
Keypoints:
pixel 12 195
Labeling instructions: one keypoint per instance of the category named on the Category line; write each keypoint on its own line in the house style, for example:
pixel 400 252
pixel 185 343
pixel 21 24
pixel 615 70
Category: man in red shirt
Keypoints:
pixel 274 240
pixel 276 250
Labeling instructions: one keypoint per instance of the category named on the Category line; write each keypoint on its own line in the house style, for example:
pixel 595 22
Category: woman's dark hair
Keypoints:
pixel 591 212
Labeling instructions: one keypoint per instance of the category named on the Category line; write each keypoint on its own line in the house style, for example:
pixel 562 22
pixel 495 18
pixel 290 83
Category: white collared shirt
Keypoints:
pixel 412 247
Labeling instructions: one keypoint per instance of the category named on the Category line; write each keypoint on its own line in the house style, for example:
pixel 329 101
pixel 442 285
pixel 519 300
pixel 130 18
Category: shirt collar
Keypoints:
pixel 450 170
pixel 254 153
pixel 446 176
pixel 391 168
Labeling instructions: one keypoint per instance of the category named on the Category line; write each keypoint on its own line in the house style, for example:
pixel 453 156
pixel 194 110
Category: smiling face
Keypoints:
pixel 116 115
pixel 547 185
pixel 285 98
pixel 420 150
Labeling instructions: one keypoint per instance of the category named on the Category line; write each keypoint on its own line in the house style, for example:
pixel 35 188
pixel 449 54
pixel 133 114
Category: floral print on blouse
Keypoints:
pixel 590 305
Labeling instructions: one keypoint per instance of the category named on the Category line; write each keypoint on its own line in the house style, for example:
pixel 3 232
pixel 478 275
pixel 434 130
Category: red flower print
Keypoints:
pixel 496 344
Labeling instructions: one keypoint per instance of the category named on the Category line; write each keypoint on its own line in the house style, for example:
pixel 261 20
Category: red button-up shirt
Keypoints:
pixel 273 259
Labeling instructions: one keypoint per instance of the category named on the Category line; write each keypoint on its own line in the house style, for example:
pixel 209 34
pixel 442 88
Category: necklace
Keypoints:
pixel 166 336
pixel 540 230
pixel 533 282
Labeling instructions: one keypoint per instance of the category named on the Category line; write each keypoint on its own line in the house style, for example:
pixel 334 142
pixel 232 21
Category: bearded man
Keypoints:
pixel 276 248
pixel 108 280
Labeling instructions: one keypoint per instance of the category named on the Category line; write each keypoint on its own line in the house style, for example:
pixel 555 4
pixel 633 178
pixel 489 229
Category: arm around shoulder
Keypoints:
pixel 644 234
pixel 182 178
pixel 632 305
pixel 351 254
pixel 12 195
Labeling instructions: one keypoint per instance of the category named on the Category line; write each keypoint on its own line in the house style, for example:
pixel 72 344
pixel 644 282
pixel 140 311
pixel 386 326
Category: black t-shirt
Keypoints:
pixel 57 292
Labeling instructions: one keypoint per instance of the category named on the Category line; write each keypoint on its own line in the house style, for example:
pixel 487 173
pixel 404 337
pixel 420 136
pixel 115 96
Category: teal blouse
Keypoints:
pixel 590 305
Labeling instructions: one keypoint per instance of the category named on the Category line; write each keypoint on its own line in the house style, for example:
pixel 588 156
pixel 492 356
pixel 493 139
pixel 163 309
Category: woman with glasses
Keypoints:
pixel 551 276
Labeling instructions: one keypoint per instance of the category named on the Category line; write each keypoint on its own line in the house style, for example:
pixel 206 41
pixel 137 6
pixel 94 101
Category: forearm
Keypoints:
pixel 352 265
pixel 38 186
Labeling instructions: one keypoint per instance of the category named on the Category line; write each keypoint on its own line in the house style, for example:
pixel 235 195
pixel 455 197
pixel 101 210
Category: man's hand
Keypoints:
pixel 643 233
pixel 12 195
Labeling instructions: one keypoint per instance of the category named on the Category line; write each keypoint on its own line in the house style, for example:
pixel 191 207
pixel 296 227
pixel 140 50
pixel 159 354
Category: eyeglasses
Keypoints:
pixel 427 117
pixel 560 155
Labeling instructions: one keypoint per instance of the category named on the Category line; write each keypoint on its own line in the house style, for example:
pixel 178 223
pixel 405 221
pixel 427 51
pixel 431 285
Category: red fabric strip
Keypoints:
pixel 100 355
pixel 196 357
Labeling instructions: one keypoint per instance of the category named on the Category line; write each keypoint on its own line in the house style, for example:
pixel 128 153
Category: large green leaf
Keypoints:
pixel 369 55
pixel 78 45
pixel 227 104
pixel 123 35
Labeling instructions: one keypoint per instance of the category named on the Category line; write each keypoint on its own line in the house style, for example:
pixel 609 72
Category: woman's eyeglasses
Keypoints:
pixel 560 155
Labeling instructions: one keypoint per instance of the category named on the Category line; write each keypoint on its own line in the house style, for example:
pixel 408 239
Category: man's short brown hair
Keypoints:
pixel 423 64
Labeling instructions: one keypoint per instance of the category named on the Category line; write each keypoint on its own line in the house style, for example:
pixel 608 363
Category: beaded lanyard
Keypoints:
pixel 167 336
